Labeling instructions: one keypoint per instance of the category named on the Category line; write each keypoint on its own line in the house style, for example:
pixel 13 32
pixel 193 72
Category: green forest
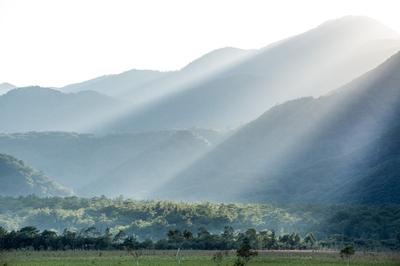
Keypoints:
pixel 169 223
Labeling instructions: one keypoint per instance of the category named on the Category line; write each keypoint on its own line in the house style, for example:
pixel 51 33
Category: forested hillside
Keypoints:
pixel 369 226
pixel 18 179
pixel 118 164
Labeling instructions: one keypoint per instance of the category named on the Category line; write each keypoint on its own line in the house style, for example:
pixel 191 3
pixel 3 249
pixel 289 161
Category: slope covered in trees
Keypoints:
pixel 343 147
pixel 367 226
pixel 18 179
pixel 118 164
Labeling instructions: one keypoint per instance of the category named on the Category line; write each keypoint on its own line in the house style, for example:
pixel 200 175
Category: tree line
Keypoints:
pixel 368 227
pixel 30 237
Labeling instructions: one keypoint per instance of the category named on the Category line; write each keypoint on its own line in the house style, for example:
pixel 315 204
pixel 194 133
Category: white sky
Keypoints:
pixel 56 42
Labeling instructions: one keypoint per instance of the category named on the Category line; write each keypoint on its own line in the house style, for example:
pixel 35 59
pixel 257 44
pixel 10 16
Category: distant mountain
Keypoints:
pixel 225 88
pixel 140 174
pixel 128 164
pixel 343 147
pixel 119 85
pixel 42 109
pixel 5 87
pixel 311 63
pixel 141 86
pixel 18 179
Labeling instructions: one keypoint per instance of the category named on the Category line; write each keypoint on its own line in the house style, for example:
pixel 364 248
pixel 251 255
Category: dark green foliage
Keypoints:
pixel 348 251
pixel 177 224
pixel 244 253
pixel 30 237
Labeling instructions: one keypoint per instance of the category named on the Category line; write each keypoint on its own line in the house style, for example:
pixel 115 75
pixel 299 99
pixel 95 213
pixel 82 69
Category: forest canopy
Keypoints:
pixel 367 225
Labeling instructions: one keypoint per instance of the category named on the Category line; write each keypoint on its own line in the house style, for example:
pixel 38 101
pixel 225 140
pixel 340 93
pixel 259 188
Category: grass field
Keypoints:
pixel 190 258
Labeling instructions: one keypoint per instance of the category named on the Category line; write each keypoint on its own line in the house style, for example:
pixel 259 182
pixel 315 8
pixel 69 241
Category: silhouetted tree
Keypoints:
pixel 347 253
pixel 244 253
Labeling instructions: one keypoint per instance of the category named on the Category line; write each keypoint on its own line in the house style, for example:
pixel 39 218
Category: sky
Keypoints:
pixel 57 42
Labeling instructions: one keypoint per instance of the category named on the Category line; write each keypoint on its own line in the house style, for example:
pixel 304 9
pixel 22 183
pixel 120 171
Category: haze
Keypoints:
pixel 54 43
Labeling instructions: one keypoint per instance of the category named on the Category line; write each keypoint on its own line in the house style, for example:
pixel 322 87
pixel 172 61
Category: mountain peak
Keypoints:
pixel 6 87
pixel 360 23
pixel 32 90
pixel 217 57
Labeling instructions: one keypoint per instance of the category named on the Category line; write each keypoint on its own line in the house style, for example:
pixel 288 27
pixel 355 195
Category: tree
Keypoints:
pixel 136 254
pixel 27 235
pixel 219 257
pixel 47 239
pixel 187 235
pixel 310 240
pixel 347 252
pixel 3 233
pixel 244 253
pixel 120 237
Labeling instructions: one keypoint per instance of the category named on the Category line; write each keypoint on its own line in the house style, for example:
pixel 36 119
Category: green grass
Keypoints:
pixel 189 258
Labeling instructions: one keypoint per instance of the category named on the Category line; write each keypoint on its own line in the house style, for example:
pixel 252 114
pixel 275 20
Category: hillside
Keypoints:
pixel 44 109
pixel 119 164
pixel 139 86
pixel 225 88
pixel 365 225
pixel 342 147
pixel 309 64
pixel 119 85
pixel 18 179
pixel 5 87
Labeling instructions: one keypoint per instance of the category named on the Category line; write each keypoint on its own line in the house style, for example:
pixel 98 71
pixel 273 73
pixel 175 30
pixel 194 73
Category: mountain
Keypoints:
pixel 18 179
pixel 127 164
pixel 119 85
pixel 225 88
pixel 42 109
pixel 5 87
pixel 309 64
pixel 141 86
pixel 139 175
pixel 342 147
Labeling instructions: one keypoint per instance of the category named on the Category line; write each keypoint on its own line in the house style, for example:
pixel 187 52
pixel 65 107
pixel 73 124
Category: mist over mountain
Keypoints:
pixel 5 87
pixel 18 179
pixel 144 133
pixel 119 85
pixel 141 173
pixel 342 147
pixel 141 86
pixel 113 165
pixel 309 64
pixel 44 109
pixel 225 88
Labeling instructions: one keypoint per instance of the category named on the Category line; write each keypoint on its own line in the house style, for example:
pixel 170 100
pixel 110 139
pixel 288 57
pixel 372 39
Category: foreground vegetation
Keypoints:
pixel 191 258
pixel 29 238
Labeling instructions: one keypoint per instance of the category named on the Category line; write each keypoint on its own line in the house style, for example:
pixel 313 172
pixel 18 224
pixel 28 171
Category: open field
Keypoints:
pixel 190 258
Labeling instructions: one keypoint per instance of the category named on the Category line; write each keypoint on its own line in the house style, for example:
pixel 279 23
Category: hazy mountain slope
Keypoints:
pixel 81 159
pixel 41 109
pixel 118 85
pixel 5 87
pixel 140 174
pixel 17 179
pixel 343 147
pixel 311 63
pixel 140 86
